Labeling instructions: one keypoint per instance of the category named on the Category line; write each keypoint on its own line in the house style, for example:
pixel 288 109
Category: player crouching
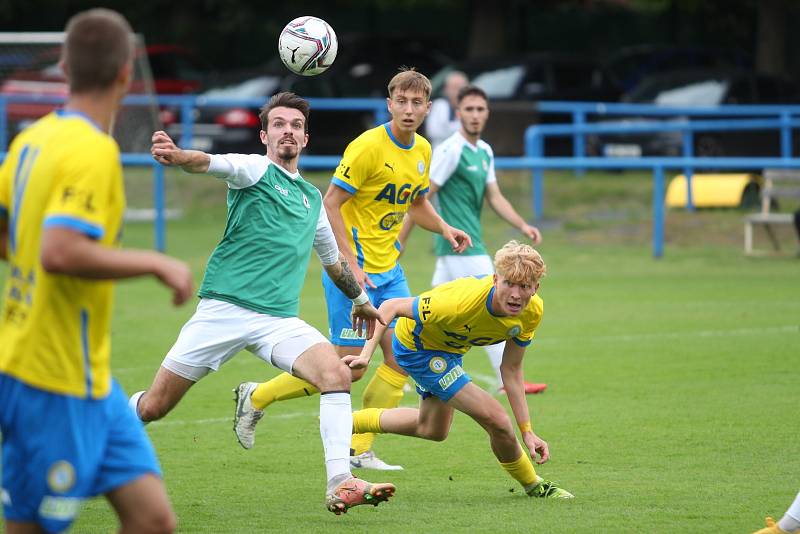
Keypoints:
pixel 435 329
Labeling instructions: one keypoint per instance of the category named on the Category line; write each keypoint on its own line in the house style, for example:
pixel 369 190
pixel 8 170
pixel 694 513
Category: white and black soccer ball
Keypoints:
pixel 308 46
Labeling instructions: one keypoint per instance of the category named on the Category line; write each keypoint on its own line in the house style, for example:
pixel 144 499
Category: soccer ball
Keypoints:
pixel 307 46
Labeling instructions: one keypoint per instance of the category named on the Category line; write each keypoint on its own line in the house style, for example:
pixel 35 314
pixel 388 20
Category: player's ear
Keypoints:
pixel 389 104
pixel 428 110
pixel 263 136
pixel 305 139
pixel 63 66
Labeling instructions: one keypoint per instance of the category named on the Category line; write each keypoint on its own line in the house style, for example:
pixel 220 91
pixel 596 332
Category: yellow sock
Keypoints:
pixel 521 470
pixel 384 391
pixel 282 387
pixel 367 420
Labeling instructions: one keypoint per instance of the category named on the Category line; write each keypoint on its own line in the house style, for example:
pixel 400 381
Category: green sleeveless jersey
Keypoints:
pixel 273 219
pixel 461 171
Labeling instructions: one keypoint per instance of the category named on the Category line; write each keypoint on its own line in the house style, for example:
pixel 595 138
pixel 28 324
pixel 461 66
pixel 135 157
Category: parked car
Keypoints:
pixel 514 83
pixel 628 66
pixel 174 69
pixel 363 68
pixel 701 88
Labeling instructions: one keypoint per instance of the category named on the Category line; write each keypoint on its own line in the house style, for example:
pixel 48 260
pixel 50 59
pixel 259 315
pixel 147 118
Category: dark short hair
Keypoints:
pixel 284 100
pixel 471 90
pixel 409 79
pixel 99 43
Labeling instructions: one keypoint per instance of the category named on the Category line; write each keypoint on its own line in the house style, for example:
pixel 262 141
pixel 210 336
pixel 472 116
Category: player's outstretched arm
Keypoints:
pixel 72 253
pixel 511 372
pixel 166 152
pixel 422 213
pixel 504 209
pixel 399 307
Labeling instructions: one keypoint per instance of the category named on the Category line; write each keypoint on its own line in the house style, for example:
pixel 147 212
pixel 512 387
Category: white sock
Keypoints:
pixel 790 522
pixel 495 353
pixel 336 428
pixel 133 402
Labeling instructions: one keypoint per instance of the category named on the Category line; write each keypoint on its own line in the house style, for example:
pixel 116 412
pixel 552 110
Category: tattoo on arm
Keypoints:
pixel 344 278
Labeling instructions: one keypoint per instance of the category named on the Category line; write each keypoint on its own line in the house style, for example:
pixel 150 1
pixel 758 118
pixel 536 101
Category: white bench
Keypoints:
pixel 778 183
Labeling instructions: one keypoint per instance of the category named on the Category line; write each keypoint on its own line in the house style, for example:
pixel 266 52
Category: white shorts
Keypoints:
pixel 451 267
pixel 218 330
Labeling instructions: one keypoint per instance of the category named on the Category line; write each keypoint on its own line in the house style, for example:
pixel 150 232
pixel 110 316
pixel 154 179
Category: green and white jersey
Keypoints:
pixel 461 171
pixel 274 219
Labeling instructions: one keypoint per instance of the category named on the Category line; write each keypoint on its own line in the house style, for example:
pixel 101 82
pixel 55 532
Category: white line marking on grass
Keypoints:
pixel 787 329
pixel 174 422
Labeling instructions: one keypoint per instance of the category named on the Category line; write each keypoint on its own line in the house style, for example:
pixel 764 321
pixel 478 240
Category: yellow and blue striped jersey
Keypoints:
pixel 455 316
pixel 384 176
pixel 62 171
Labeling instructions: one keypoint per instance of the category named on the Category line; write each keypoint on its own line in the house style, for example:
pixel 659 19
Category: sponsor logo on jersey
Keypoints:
pixel 59 508
pixel 61 476
pixel 452 375
pixel 349 333
pixel 394 195
pixel 389 220
pixel 282 191
pixel 514 331
pixel 472 168
pixel 437 364
pixel 421 167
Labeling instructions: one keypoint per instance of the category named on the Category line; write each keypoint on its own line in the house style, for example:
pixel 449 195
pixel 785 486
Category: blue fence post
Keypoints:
pixel 786 134
pixel 534 148
pixel 658 211
pixel 187 121
pixel 158 205
pixel 688 171
pixel 578 139
pixel 381 115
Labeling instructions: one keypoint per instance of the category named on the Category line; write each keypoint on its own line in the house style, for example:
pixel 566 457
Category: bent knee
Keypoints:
pixel 336 377
pixel 157 523
pixel 151 409
pixel 434 434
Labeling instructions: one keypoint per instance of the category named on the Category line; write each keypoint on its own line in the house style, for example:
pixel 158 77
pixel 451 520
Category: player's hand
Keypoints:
pixel 532 233
pixel 177 276
pixel 356 361
pixel 361 277
pixel 165 151
pixel 536 445
pixel 459 239
pixel 364 317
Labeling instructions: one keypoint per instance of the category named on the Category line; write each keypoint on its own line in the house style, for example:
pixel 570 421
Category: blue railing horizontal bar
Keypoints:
pixel 615 108
pixel 644 163
pixel 662 126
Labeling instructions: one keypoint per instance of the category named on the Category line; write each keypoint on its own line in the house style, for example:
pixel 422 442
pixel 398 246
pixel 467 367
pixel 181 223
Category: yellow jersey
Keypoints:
pixel 457 315
pixel 62 171
pixel 384 176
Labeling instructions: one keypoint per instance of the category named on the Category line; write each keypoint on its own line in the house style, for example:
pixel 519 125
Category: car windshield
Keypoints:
pixel 500 83
pixel 252 88
pixel 682 91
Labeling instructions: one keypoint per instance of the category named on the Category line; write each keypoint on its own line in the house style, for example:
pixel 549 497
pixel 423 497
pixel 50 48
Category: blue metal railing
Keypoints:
pixel 534 158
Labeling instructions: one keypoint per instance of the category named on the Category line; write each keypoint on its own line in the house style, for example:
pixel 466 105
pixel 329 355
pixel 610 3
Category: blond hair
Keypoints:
pixel 519 263
pixel 409 79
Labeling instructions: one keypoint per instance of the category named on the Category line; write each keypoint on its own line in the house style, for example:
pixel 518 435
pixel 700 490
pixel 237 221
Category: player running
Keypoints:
pixel 436 328
pixel 383 174
pixel 250 295
pixel 462 176
pixel 67 431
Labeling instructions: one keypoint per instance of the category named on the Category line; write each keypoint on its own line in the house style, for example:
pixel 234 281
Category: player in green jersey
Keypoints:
pixel 251 290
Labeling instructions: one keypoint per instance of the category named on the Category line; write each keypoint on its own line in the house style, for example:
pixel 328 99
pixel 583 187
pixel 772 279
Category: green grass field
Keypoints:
pixel 673 400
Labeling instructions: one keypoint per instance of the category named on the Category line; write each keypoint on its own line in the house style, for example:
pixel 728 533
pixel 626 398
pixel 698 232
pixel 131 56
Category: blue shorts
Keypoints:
pixel 59 450
pixel 437 373
pixel 391 284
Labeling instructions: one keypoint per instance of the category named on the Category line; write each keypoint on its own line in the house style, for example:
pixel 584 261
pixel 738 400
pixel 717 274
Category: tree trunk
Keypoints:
pixel 771 38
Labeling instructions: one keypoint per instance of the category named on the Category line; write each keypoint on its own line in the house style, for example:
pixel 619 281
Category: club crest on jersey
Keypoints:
pixel 61 476
pixel 421 167
pixel 485 165
pixel 514 331
pixel 389 220
pixel 306 203
pixel 437 364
